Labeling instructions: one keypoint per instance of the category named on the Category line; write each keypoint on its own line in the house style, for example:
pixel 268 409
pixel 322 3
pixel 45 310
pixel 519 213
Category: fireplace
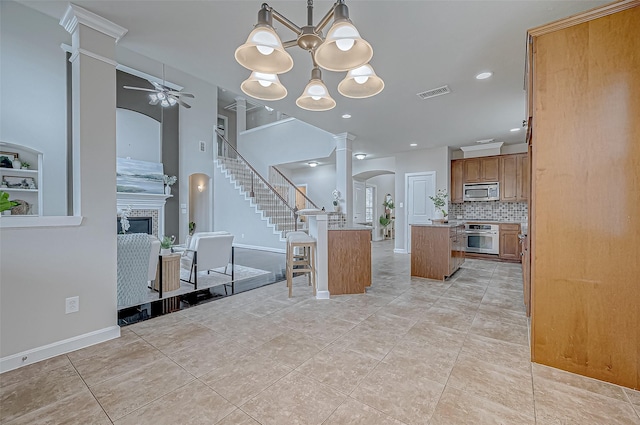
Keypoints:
pixel 146 206
pixel 138 225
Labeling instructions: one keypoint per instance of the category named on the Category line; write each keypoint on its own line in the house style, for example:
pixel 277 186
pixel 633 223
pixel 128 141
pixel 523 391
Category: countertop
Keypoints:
pixel 450 223
pixel 352 227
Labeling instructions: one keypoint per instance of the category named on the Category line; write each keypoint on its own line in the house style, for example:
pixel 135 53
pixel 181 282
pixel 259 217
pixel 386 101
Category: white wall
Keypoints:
pixel 437 160
pixel 137 136
pixel 34 91
pixel 33 268
pixel 320 181
pixel 40 267
pixel 282 142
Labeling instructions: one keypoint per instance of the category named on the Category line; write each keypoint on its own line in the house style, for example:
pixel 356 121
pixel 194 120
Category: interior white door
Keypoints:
pixel 419 207
pixel 359 199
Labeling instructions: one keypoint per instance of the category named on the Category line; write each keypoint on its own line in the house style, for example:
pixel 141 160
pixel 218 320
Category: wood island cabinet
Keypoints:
pixel 349 261
pixel 457 178
pixel 437 251
pixel 509 242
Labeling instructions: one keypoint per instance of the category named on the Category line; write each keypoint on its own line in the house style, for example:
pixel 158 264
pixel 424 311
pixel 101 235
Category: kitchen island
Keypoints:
pixel 349 260
pixel 437 249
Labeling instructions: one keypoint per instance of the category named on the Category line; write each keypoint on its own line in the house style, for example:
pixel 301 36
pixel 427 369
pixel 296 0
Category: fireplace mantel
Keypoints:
pixel 145 201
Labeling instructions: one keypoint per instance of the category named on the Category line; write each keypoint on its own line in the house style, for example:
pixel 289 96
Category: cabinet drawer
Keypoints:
pixel 510 227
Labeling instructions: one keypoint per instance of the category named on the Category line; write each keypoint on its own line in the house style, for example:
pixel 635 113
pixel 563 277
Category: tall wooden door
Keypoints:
pixel 585 224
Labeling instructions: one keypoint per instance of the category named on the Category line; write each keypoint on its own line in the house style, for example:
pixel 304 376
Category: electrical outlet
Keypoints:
pixel 72 305
pixel 202 146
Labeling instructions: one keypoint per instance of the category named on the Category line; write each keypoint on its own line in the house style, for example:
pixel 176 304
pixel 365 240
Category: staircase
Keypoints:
pixel 274 209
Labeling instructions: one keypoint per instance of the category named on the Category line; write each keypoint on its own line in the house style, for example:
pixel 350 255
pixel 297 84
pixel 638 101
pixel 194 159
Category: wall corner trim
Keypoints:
pixel 60 347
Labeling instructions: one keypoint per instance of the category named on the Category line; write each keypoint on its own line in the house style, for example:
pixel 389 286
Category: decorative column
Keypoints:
pixel 344 177
pixel 94 114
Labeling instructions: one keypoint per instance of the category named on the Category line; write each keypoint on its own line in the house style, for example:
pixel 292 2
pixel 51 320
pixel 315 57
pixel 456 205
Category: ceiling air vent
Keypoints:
pixel 435 92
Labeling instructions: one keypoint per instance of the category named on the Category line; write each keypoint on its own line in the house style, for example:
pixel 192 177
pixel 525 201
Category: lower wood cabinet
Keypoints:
pixel 509 242
pixel 349 261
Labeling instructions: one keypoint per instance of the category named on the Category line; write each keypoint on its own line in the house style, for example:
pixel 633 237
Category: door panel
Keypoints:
pixel 358 202
pixel 420 208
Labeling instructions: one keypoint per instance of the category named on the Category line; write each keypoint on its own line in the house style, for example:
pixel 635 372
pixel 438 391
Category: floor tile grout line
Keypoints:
pixel 91 391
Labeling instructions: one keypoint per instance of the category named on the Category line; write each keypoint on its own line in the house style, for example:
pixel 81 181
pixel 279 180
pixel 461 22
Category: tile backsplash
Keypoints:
pixel 490 210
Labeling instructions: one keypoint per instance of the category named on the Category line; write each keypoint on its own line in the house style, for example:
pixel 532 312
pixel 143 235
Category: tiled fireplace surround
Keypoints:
pixel 145 205
pixel 492 211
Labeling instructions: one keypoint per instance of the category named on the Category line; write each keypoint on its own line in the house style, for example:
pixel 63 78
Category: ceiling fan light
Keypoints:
pixel 263 52
pixel 153 97
pixel 264 86
pixel 343 49
pixel 165 103
pixel 352 86
pixel 172 101
pixel 315 97
pixel 161 95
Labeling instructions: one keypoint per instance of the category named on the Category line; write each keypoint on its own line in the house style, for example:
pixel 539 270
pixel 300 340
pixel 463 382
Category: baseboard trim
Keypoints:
pixel 322 295
pixel 48 351
pixel 399 251
pixel 260 248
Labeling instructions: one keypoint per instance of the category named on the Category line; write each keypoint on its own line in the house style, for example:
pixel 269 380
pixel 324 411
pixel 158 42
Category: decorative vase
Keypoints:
pixel 336 208
pixel 167 190
pixel 165 251
pixel 16 164
pixel 438 215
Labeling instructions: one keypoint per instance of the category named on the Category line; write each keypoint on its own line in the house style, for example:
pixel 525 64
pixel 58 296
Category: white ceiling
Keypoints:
pixel 418 45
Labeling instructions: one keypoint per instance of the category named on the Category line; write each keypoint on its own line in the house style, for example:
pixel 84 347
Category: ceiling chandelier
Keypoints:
pixel 341 50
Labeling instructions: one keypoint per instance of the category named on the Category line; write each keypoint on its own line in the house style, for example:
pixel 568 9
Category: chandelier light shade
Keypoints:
pixel 264 86
pixel 263 50
pixel 315 96
pixel 360 83
pixel 342 50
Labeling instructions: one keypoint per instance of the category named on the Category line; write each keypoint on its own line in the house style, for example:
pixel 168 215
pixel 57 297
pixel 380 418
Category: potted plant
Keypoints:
pixel 336 199
pixel 192 227
pixel 168 182
pixel 5 203
pixel 25 165
pixel 439 202
pixel 165 244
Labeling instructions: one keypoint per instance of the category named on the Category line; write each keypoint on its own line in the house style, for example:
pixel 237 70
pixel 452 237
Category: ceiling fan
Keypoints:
pixel 163 95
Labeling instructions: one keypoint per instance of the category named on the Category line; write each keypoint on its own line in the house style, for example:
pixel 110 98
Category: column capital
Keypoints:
pixel 75 15
pixel 344 136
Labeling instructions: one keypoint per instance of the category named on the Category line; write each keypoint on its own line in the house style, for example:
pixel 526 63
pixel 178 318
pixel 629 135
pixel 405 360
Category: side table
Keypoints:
pixel 168 273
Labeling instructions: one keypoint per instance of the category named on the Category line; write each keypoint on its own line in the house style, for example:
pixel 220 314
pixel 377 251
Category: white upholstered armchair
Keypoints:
pixel 209 251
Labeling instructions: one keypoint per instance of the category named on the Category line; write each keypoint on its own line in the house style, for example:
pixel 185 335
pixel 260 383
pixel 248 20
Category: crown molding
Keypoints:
pixel 580 18
pixel 483 147
pixel 75 15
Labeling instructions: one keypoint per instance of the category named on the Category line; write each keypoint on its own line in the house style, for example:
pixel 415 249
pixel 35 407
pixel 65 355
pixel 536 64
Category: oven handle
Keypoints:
pixel 471 232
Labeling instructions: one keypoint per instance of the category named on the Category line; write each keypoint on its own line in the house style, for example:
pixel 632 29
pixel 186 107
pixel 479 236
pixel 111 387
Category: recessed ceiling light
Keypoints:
pixel 484 75
pixel 361 155
pixel 514 130
pixel 312 164
pixel 413 145
pixel 345 116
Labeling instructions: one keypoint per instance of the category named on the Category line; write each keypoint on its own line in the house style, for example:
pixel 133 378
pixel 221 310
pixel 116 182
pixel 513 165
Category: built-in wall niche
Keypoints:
pixel 21 178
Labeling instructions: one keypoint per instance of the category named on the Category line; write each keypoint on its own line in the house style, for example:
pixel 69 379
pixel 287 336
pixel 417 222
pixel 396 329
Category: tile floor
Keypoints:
pixel 410 351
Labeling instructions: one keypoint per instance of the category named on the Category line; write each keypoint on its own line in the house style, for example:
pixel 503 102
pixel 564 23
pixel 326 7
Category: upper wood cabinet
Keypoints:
pixel 481 170
pixel 512 171
pixel 514 185
pixel 457 177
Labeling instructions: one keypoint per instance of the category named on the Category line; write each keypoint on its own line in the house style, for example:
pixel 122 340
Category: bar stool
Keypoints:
pixel 304 262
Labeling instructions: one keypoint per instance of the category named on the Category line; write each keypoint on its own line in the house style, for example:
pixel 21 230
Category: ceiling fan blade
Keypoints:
pixel 159 86
pixel 179 93
pixel 181 103
pixel 139 88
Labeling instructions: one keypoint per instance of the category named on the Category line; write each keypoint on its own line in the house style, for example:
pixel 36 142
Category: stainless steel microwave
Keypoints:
pixel 481 192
